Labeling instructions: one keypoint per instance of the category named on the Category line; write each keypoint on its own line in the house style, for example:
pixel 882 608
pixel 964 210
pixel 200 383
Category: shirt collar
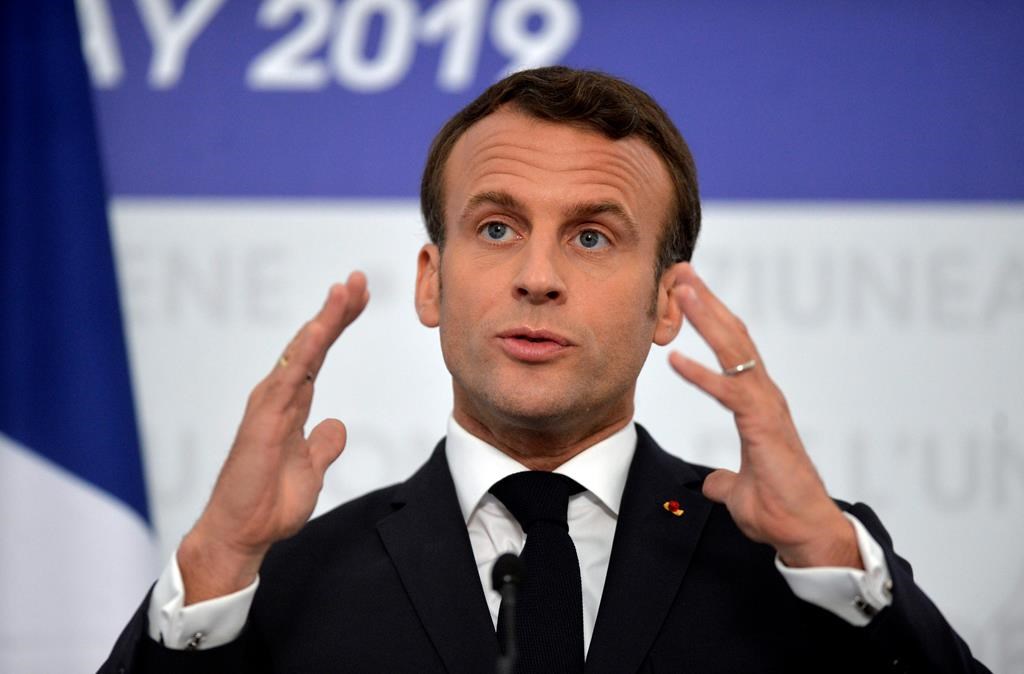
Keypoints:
pixel 476 466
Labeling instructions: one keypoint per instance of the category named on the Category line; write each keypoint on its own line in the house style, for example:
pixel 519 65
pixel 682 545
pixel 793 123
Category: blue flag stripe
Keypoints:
pixel 66 388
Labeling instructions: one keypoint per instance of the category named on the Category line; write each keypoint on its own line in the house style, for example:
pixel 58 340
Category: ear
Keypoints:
pixel 428 286
pixel 669 316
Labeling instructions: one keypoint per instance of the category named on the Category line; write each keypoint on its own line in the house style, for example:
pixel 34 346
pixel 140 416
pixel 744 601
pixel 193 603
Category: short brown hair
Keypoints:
pixel 593 100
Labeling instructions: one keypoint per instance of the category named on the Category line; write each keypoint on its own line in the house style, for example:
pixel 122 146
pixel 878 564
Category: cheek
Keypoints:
pixel 630 324
pixel 461 304
pixel 471 285
pixel 464 310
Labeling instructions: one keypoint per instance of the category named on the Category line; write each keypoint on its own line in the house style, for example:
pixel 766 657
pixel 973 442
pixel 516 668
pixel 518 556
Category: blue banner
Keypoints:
pixel 792 100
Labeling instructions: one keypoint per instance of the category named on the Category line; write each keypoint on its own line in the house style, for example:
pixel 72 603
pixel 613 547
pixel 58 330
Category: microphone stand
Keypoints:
pixel 505 577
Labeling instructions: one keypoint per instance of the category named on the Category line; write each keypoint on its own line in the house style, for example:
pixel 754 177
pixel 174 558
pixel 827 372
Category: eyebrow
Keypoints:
pixel 585 210
pixel 500 199
pixel 579 211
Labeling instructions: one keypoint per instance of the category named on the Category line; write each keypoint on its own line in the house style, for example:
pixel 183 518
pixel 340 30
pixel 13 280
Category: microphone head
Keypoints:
pixel 507 569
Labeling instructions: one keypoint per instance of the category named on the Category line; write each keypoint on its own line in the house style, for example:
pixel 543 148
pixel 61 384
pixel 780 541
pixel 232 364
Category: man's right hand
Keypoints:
pixel 270 482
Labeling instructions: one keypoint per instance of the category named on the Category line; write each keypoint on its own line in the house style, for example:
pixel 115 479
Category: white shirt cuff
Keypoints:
pixel 206 624
pixel 852 594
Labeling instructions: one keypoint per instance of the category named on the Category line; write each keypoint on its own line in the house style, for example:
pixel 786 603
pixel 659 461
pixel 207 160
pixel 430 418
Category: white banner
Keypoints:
pixel 893 329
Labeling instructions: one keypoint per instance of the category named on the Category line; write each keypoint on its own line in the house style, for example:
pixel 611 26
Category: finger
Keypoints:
pixel 723 389
pixel 718 484
pixel 719 327
pixel 687 275
pixel 326 442
pixel 337 313
pixel 289 383
pixel 330 312
pixel 355 300
pixel 306 353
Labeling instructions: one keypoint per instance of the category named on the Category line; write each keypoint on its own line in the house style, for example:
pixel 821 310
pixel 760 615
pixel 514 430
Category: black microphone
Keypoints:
pixel 506 574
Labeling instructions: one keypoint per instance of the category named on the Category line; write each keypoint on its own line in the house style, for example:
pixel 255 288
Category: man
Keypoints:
pixel 562 208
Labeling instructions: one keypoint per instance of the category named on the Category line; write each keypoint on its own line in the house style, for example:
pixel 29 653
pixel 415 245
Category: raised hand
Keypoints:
pixel 777 496
pixel 270 482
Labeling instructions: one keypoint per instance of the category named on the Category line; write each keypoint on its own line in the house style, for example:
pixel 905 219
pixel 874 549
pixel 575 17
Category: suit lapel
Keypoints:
pixel 426 539
pixel 650 555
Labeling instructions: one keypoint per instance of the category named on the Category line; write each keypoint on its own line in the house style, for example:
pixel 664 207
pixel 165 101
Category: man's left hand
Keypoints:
pixel 776 497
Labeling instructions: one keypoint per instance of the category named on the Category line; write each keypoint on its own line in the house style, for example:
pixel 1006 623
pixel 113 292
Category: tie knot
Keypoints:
pixel 537 496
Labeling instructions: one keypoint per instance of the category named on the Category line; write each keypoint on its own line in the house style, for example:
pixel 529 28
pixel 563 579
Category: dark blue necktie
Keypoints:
pixel 549 613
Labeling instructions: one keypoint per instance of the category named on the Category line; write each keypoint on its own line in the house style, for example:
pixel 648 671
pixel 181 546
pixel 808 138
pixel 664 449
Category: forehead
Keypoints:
pixel 545 163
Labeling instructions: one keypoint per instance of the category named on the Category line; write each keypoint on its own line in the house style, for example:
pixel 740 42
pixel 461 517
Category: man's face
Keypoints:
pixel 544 291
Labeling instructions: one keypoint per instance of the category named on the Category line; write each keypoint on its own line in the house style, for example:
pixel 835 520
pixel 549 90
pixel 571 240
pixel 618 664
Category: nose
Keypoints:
pixel 539 278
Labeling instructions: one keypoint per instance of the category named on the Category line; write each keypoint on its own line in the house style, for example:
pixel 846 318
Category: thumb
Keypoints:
pixel 326 441
pixel 718 484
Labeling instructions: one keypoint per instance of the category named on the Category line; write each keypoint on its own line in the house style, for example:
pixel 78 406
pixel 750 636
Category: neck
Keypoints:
pixel 540 448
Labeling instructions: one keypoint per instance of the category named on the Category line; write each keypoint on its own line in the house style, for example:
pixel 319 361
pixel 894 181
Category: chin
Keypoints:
pixel 538 410
pixel 542 400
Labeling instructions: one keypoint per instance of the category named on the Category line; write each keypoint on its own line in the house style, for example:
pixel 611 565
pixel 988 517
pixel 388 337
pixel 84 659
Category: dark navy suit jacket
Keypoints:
pixel 388 583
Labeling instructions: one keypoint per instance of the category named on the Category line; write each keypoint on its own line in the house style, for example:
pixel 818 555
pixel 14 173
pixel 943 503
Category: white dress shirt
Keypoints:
pixel 592 515
pixel 851 594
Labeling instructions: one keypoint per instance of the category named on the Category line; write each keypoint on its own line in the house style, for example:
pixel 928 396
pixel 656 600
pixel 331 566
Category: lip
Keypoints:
pixel 533 346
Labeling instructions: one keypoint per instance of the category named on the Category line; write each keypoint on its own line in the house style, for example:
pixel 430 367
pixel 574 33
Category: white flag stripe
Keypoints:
pixel 74 564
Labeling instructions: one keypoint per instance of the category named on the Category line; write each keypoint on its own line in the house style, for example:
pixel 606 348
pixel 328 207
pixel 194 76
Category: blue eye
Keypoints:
pixel 592 239
pixel 497 231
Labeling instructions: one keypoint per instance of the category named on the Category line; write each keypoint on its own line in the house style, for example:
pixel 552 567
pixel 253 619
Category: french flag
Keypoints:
pixel 76 543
